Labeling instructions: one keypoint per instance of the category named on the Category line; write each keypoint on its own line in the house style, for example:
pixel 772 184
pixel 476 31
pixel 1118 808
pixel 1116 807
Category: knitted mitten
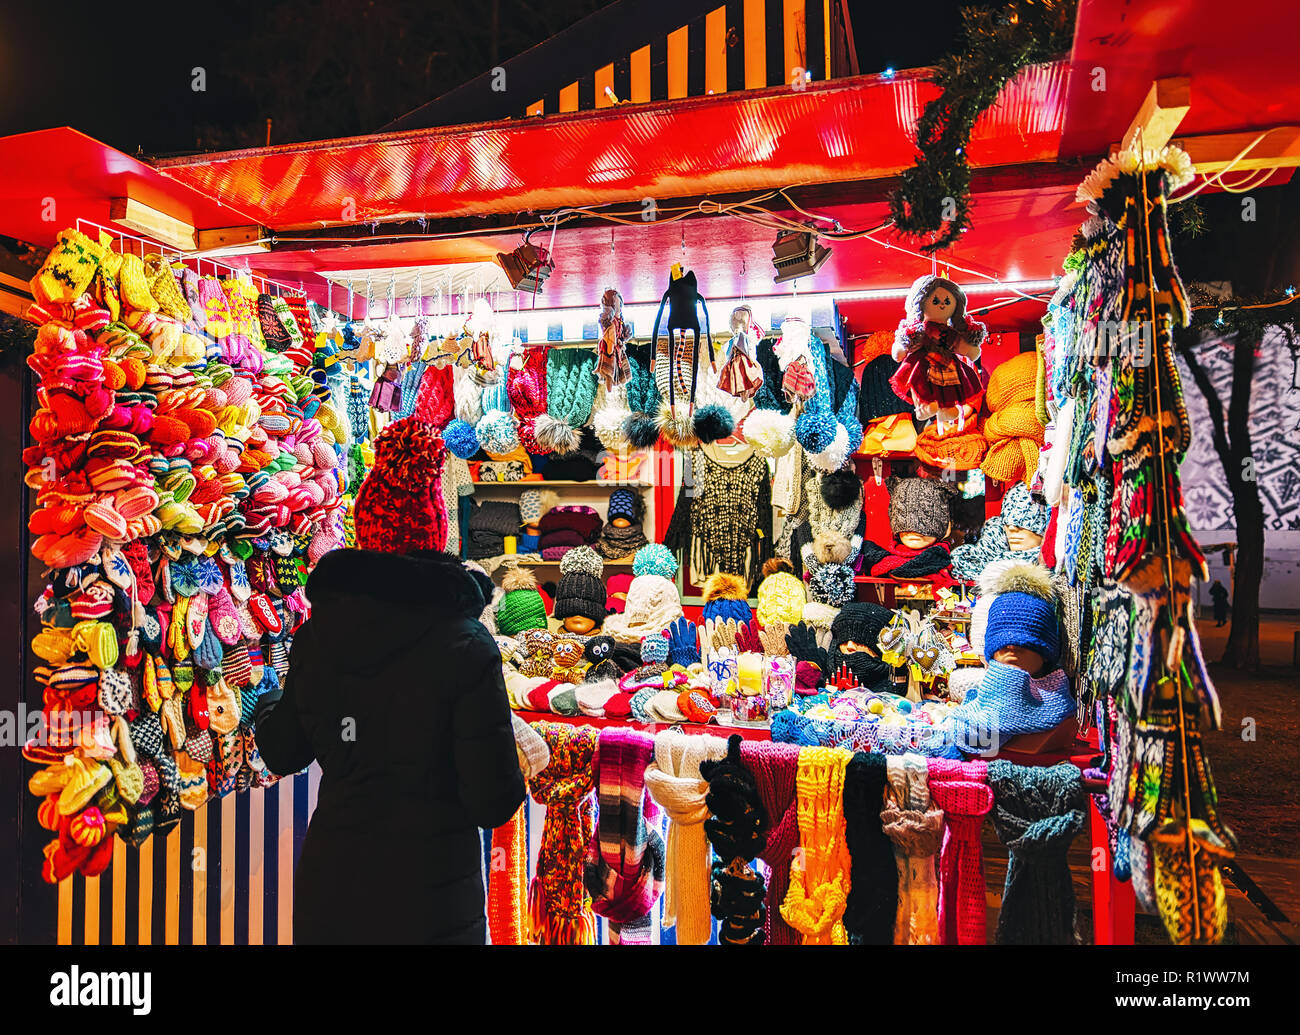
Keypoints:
pixel 1193 905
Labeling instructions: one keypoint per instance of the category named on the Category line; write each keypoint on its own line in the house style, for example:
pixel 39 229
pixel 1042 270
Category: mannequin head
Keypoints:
pixel 920 511
pixel 1022 658
pixel 919 540
pixel 621 522
pixel 1022 538
pixel 580 624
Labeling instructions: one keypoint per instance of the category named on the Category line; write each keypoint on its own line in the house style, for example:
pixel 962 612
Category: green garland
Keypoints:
pixel 934 196
pixel 1234 318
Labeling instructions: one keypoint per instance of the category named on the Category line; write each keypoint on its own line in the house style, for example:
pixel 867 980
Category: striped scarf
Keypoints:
pixel 625 859
pixel 558 906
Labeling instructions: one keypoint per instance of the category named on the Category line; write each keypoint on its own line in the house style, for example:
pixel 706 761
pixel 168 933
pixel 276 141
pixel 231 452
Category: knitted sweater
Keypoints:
pixel 1037 811
pixel 723 517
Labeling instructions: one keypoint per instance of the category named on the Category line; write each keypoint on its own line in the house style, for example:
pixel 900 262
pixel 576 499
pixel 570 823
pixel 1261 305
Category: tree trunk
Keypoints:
pixel 1232 444
pixel 1242 651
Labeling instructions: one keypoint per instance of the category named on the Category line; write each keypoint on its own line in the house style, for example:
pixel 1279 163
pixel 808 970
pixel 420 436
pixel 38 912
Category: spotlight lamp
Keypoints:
pixel 797 253
pixel 527 267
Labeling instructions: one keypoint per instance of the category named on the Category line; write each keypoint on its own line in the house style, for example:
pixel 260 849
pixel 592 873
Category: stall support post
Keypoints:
pixel 1113 902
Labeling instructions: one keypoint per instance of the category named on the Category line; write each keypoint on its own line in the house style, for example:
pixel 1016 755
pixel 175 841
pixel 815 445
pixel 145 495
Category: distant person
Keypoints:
pixel 395 688
pixel 1219 594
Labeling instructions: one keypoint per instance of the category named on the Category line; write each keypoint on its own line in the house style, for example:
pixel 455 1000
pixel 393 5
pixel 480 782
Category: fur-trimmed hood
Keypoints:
pixel 370 602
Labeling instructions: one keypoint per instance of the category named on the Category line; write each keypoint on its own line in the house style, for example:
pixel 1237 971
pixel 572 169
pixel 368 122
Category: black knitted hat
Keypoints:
pixel 861 623
pixel 581 593
pixel 875 396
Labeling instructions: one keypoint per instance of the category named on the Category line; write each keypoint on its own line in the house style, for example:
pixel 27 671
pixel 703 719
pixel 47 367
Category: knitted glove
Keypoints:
pixel 683 642
pixel 772 637
pixel 747 638
pixel 719 633
pixel 802 643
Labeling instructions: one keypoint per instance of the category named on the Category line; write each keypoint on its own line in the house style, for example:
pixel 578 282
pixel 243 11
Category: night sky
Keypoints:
pixel 123 73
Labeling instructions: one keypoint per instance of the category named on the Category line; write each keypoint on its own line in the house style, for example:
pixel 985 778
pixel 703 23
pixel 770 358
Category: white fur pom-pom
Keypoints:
pixel 770 432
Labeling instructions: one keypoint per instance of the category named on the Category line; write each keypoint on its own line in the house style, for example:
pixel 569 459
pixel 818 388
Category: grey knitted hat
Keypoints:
pixel 922 505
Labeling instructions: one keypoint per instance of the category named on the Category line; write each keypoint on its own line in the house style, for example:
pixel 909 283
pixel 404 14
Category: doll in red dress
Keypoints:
pixel 936 346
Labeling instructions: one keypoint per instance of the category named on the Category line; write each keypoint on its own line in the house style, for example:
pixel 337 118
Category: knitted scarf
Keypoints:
pixel 526 390
pixel 617 543
pixel 558 906
pixel 775 767
pixel 723 517
pixel 625 852
pixel 1036 812
pixel 916 829
pixel 736 832
pixel 507 899
pixel 873 897
pixel 818 894
pixel 962 791
pixel 674 782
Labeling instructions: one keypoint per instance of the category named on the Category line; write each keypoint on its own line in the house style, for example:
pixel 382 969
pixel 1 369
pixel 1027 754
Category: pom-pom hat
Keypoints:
pixel 655 559
pixel 400 508
pixel 521 606
pixel 580 593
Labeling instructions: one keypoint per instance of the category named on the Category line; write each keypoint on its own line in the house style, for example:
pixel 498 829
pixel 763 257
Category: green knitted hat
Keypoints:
pixel 521 607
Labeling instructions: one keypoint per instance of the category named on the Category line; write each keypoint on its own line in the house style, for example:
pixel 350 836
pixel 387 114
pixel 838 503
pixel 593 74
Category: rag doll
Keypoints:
pixel 935 347
pixel 741 375
pixel 920 516
pixel 612 366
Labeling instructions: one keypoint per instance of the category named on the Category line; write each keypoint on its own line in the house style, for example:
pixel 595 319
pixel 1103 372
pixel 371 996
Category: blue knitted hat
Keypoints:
pixel 722 610
pixel 1023 620
pixel 623 504
pixel 655 559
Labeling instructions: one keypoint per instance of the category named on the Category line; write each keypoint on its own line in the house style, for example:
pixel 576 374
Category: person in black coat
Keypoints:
pixel 395 689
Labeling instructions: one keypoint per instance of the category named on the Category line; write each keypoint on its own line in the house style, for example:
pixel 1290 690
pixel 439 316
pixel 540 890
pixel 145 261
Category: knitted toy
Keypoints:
pixel 1023 519
pixel 609 658
pixel 920 516
pixel 612 366
pixel 741 375
pixel 935 346
pixel 675 783
pixel 681 297
pixel 558 904
pixel 624 868
pixel 1037 812
pixel 737 831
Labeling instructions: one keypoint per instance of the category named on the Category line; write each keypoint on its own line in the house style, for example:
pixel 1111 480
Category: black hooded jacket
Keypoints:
pixel 395 689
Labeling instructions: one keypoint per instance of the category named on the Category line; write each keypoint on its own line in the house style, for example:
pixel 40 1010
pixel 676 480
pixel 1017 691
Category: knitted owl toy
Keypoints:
pixel 935 347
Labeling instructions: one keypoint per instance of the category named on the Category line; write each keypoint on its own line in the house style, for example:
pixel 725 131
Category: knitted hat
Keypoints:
pixel 652 606
pixel 960 450
pixel 922 505
pixel 655 559
pixel 400 507
pixel 530 506
pixel 1021 510
pixel 624 503
pixel 1023 620
pixel 876 398
pixel 616 587
pixel 726 597
pixel 521 605
pixel 781 597
pixel 581 592
pixel 861 623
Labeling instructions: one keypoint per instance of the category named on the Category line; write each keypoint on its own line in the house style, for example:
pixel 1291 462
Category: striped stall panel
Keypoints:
pixel 222 876
pixel 739 45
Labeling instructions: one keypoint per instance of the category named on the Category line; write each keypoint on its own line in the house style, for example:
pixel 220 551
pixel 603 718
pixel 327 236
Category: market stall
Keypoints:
pixel 844 572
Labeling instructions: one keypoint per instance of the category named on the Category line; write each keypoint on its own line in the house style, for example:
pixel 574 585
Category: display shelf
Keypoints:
pixel 594 483
pixel 712 728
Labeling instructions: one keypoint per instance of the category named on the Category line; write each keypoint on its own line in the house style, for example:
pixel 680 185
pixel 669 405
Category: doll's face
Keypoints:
pixel 1022 538
pixel 1022 658
pixel 579 624
pixel 939 305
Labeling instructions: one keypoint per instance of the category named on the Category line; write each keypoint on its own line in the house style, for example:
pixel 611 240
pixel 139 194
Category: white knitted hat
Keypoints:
pixel 652 606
